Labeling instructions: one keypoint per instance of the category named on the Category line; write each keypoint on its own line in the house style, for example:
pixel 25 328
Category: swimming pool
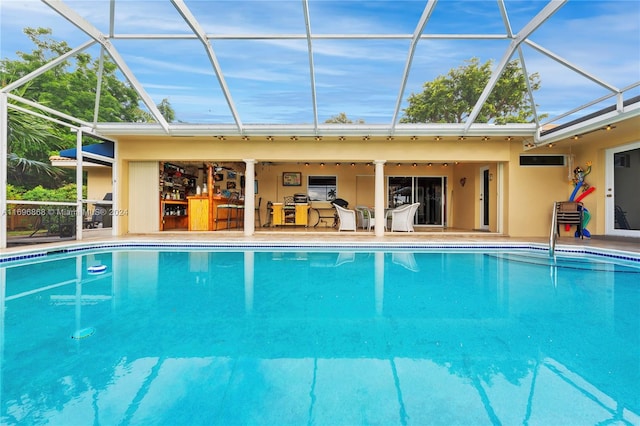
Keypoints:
pixel 264 335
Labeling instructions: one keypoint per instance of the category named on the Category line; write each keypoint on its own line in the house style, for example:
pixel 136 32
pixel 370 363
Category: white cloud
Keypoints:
pixel 270 79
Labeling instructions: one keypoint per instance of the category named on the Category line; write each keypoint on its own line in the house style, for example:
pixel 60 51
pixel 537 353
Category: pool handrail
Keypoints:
pixel 553 235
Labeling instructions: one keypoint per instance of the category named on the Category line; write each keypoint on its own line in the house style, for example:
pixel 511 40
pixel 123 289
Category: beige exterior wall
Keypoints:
pixel 595 152
pixel 527 194
pixel 156 148
pixel 99 182
pixel 531 193
pixel 534 189
pixel 143 206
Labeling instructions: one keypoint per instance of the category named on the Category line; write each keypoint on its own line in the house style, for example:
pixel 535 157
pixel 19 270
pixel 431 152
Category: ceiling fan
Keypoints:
pixel 217 168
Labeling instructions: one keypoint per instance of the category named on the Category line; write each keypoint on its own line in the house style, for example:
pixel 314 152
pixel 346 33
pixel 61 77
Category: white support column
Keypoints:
pixel 115 193
pixel 379 198
pixel 249 197
pixel 4 148
pixel 80 206
pixel 500 197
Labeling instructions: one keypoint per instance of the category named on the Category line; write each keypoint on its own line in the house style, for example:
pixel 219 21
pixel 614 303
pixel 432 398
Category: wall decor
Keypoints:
pixel 291 179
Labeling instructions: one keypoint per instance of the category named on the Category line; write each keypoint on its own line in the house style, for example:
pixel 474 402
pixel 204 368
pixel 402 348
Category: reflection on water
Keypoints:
pixel 318 337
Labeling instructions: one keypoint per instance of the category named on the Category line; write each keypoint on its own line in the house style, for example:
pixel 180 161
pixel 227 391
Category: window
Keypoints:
pixel 542 160
pixel 322 188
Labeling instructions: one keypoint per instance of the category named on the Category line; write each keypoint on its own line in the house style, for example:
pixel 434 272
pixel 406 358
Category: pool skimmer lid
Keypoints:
pixel 97 269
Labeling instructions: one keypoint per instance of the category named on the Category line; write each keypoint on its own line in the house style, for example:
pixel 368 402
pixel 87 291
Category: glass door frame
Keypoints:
pixel 485 202
pixel 609 200
pixel 414 197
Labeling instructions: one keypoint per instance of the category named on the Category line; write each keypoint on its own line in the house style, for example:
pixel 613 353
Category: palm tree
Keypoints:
pixel 29 137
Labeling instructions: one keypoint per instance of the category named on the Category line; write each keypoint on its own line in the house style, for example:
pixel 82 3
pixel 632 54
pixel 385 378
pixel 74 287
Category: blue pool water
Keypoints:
pixel 314 337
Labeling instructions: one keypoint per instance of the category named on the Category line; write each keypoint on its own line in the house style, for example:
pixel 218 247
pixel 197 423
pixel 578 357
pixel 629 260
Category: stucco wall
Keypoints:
pixel 528 192
pixel 355 182
pixel 595 152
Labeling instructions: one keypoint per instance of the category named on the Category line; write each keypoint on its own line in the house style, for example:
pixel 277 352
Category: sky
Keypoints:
pixel 269 78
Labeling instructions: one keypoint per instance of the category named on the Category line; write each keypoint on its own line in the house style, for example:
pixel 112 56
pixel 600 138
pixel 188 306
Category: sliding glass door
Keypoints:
pixel 621 199
pixel 428 191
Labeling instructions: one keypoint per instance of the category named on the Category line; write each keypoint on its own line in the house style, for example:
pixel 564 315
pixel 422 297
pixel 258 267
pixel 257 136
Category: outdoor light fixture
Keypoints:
pixel 438 138
pixel 245 138
pixel 337 164
pixel 461 138
pixel 550 145
pixel 485 138
pixel 389 138
pixel 366 138
pixel 270 138
pixel 222 138
pixel 508 138
pixel 415 164
pixel 414 138
pixel 321 164
pixel 429 164
pixel 398 164
pixel 353 164
pixel 606 129
pixel 341 138
pixel 294 138
pixel 445 164
pixel 576 137
pixel 306 164
pixel 318 138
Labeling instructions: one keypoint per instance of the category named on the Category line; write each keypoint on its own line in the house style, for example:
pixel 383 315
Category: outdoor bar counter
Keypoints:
pixel 204 213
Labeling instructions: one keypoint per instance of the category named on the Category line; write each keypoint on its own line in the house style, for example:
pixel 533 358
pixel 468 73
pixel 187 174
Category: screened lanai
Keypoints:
pixel 256 67
pixel 249 71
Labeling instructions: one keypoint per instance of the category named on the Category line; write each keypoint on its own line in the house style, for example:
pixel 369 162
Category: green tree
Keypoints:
pixel 450 98
pixel 71 88
pixel 29 139
pixel 342 119
pixel 166 110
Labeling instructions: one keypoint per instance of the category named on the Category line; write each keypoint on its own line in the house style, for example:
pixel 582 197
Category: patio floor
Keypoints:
pixel 328 235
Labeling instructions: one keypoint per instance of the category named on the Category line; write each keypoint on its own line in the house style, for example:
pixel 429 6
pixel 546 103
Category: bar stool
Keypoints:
pixel 257 210
pixel 240 214
pixel 229 207
pixel 269 214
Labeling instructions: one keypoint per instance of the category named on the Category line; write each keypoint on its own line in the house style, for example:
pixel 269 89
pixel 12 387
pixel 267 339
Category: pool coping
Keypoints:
pixel 41 252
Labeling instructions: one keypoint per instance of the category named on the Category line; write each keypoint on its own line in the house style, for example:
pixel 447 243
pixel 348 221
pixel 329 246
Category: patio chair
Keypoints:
pixel 347 218
pixel 402 217
pixel 361 219
pixel 365 214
